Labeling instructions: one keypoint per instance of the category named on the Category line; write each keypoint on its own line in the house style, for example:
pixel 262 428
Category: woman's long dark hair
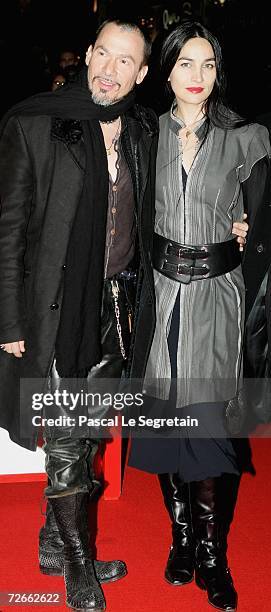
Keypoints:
pixel 216 108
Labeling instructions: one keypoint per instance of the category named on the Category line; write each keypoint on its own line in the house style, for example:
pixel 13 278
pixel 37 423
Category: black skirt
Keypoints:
pixel 193 457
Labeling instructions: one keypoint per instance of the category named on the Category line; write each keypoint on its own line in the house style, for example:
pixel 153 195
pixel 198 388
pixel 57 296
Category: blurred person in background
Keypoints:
pixel 64 75
pixel 58 80
pixel 68 58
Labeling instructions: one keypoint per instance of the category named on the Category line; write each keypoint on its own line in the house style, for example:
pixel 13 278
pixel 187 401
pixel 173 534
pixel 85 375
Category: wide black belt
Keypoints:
pixel 186 263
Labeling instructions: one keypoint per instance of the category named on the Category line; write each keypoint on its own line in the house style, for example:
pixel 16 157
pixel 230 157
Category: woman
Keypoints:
pixel 207 164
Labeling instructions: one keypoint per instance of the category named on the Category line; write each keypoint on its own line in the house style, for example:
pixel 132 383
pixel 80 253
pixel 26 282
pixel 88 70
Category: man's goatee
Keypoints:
pixel 102 101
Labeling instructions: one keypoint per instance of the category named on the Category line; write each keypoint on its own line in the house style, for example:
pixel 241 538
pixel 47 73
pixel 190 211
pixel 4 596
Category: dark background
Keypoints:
pixel 32 33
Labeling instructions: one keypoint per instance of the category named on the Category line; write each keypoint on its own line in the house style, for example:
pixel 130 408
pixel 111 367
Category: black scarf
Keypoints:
pixel 78 344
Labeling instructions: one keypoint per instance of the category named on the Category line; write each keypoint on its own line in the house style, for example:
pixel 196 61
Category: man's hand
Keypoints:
pixel 14 348
pixel 240 229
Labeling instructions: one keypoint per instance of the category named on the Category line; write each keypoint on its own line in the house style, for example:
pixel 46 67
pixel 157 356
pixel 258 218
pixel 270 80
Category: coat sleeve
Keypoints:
pixel 256 267
pixel 256 187
pixel 16 195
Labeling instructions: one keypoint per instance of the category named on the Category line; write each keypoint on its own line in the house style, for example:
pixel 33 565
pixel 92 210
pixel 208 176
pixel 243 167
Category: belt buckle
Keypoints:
pixel 190 252
pixel 187 275
pixel 192 271
pixel 179 252
pixel 191 268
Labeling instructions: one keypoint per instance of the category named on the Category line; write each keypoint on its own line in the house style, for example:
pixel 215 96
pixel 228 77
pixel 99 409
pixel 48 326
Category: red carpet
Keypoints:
pixel 136 529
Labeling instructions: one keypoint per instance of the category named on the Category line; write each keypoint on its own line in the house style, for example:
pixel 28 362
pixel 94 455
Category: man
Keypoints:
pixel 68 58
pixel 76 178
pixel 77 191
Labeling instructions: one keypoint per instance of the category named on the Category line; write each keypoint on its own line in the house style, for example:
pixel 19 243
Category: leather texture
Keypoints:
pixel 82 589
pixel 67 464
pixel 69 456
pixel 51 554
pixel 257 365
pixel 180 565
pixel 186 263
pixel 235 414
pixel 211 527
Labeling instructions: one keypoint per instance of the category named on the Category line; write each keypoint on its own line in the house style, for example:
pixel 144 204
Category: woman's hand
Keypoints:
pixel 240 229
pixel 14 348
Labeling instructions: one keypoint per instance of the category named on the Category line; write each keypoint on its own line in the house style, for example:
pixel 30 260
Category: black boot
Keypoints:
pixel 51 554
pixel 82 589
pixel 211 529
pixel 51 547
pixel 180 565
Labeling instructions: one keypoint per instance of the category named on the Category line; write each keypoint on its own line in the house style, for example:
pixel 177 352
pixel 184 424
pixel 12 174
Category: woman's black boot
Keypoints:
pixel 82 589
pixel 181 561
pixel 211 528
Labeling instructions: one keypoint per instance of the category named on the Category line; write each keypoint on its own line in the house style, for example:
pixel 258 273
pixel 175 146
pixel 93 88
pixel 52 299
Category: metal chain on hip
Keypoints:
pixel 115 292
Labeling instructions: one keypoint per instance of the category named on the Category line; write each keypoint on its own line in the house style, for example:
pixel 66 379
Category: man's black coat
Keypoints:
pixel 41 177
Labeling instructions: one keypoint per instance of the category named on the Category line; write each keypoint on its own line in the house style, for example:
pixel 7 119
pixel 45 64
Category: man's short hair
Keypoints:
pixel 129 26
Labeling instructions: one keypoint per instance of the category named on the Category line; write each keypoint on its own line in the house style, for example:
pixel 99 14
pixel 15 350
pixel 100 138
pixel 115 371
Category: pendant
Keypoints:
pixel 130 321
pixel 108 152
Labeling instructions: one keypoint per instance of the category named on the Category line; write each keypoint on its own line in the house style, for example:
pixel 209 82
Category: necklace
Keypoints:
pixel 188 140
pixel 114 139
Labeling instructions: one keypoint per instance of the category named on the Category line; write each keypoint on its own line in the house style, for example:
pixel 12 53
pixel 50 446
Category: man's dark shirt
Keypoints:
pixel 120 230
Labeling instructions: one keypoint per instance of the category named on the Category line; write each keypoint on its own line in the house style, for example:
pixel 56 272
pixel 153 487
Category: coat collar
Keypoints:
pixel 175 124
pixel 70 130
pixel 139 120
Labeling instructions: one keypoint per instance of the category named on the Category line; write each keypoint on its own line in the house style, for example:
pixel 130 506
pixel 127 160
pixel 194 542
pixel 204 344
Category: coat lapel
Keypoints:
pixel 63 198
pixel 70 132
pixel 138 143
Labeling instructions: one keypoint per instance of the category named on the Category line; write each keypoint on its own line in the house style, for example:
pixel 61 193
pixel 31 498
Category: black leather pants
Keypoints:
pixel 69 457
